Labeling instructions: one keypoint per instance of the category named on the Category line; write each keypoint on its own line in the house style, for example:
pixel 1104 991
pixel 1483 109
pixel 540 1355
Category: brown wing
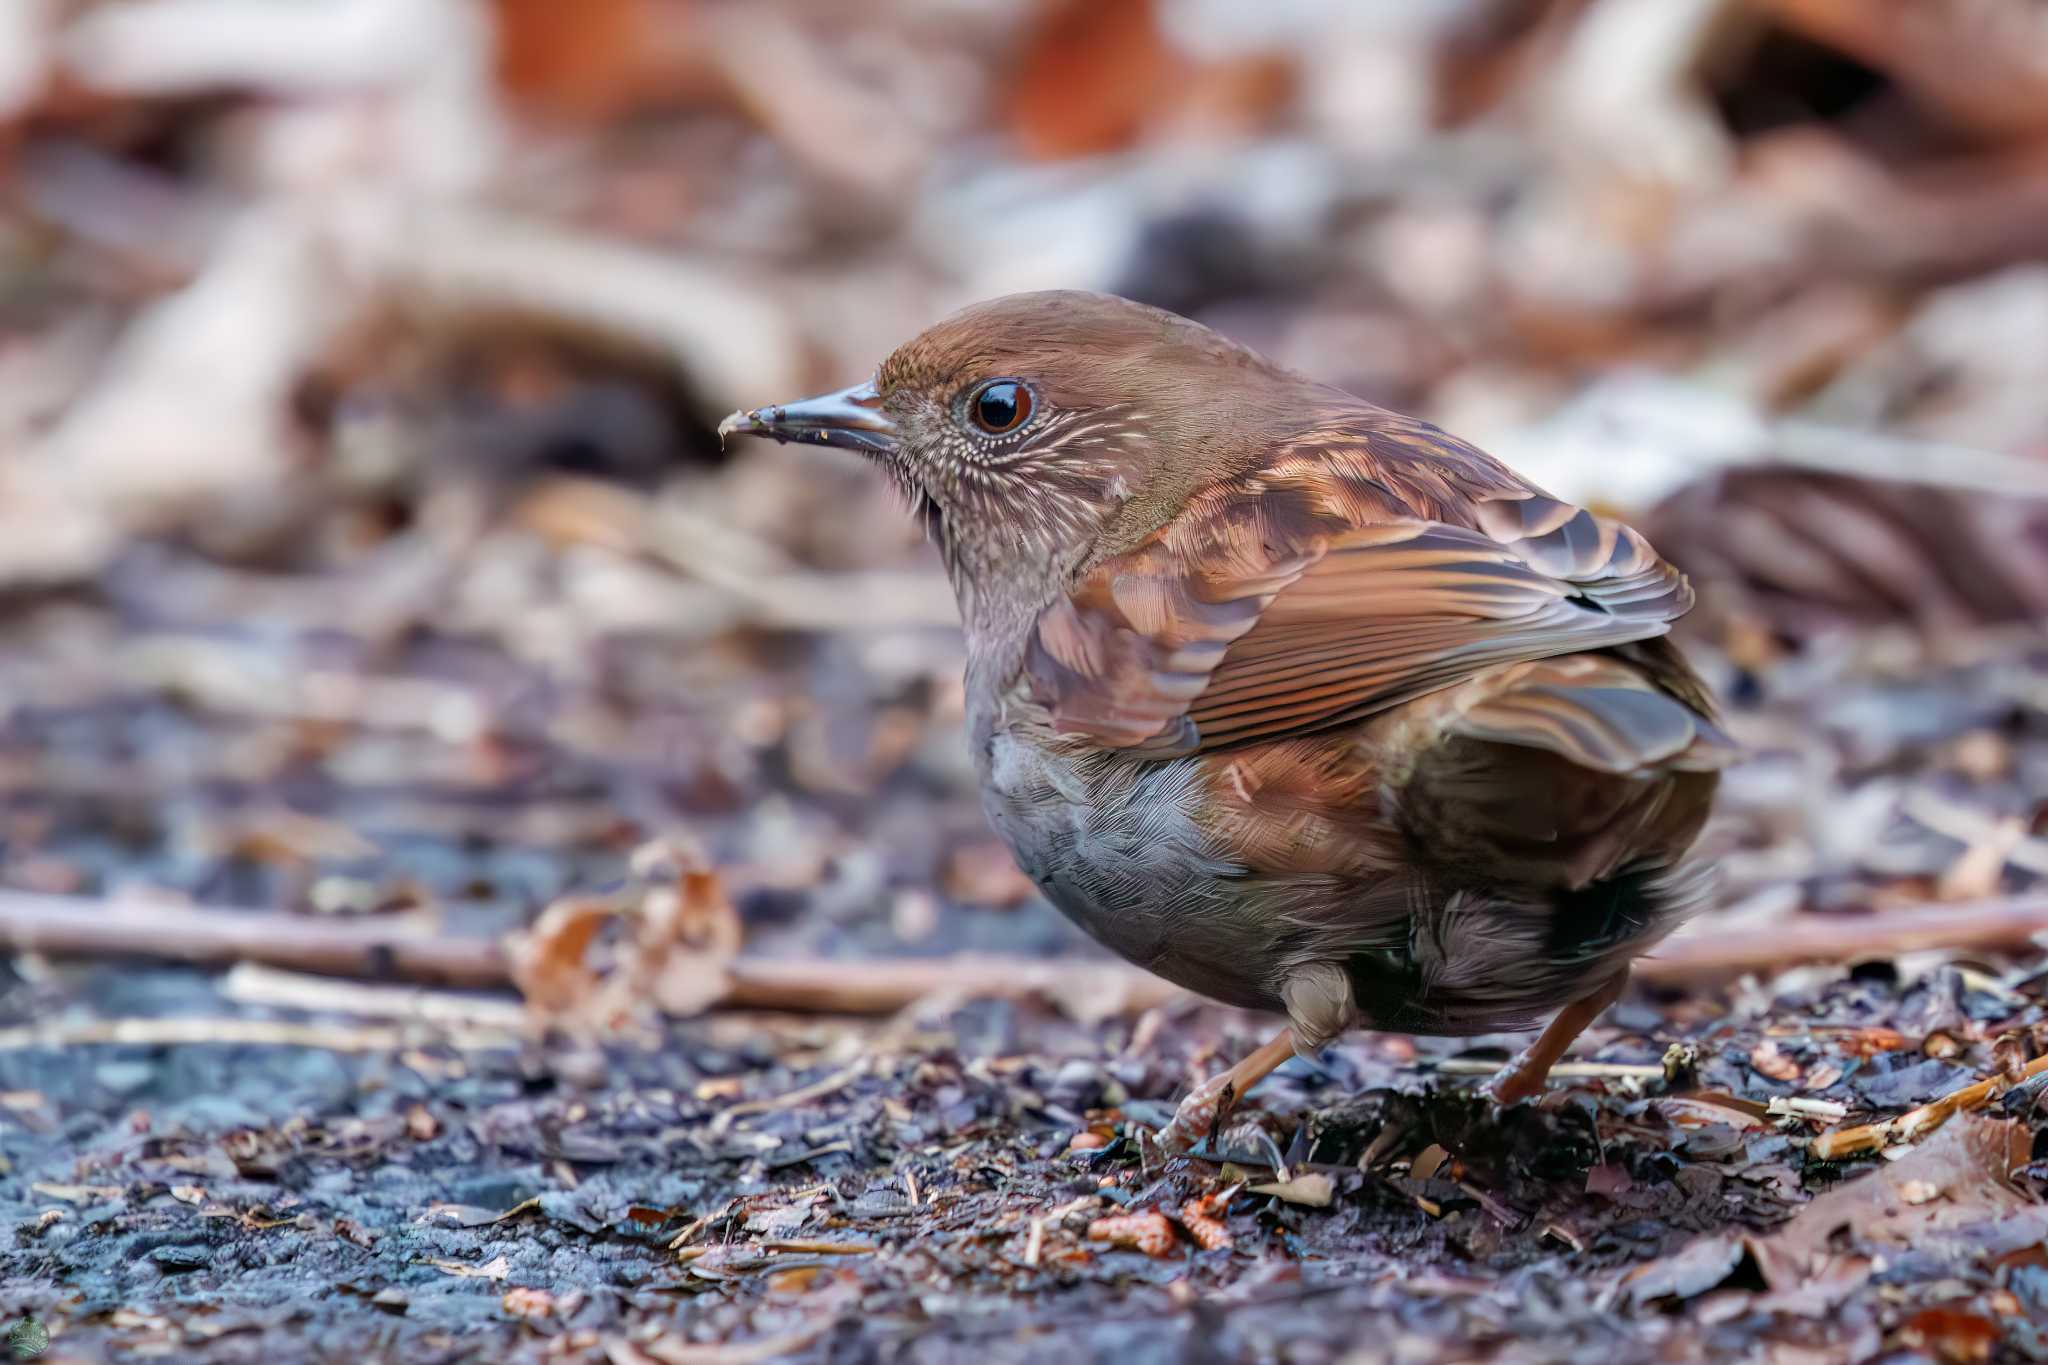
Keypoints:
pixel 1351 574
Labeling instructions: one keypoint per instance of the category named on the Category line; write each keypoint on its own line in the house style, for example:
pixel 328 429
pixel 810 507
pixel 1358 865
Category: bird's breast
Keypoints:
pixel 1114 843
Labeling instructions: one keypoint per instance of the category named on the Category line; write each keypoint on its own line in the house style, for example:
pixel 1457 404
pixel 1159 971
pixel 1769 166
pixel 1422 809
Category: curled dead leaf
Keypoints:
pixel 1942 1045
pixel 1203 1219
pixel 1148 1232
pixel 593 964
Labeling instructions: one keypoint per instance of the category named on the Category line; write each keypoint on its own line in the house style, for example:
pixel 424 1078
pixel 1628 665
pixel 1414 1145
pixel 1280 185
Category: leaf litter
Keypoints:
pixel 423 612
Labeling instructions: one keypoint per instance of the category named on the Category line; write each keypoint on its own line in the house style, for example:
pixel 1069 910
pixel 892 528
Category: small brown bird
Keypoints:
pixel 1301 704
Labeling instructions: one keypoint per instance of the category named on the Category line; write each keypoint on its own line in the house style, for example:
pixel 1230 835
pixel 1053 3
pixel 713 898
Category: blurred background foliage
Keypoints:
pixel 364 539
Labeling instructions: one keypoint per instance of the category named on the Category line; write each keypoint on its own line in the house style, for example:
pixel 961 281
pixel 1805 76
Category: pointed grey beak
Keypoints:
pixel 852 418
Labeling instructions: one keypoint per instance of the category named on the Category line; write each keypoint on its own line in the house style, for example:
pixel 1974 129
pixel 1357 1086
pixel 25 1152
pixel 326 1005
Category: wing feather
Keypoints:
pixel 1358 570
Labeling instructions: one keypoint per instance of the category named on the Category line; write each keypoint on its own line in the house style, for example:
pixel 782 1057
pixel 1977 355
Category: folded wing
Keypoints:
pixel 1353 573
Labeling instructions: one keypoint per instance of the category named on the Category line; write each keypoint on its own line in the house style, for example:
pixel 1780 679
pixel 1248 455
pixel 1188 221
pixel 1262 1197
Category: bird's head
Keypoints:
pixel 1037 433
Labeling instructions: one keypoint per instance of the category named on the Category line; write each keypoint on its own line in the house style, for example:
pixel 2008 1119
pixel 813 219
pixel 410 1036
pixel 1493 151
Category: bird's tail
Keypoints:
pixel 1571 773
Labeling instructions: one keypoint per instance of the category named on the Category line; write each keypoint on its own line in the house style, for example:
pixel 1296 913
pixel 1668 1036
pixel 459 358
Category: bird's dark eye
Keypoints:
pixel 999 406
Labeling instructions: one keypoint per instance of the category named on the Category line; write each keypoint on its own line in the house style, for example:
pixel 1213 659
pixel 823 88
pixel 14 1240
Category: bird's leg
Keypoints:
pixel 1523 1077
pixel 1208 1102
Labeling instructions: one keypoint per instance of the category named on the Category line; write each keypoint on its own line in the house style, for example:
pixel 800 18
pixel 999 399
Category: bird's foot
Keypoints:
pixel 1208 1102
pixel 1521 1079
pixel 1198 1114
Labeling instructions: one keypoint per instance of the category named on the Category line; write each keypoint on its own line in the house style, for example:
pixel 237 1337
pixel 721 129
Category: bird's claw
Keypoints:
pixel 1515 1082
pixel 1197 1116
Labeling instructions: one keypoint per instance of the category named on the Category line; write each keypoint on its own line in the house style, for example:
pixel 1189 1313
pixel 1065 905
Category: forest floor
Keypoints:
pixel 256 1164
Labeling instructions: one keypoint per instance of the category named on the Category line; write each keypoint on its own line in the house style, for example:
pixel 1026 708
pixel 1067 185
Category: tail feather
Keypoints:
pixel 1490 962
pixel 1601 714
pixel 1562 773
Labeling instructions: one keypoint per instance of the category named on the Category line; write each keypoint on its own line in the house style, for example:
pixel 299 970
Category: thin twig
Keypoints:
pixel 409 948
pixel 387 947
pixel 1871 1137
pixel 1805 1107
pixel 1602 1071
pixel 803 1095
pixel 187 1030
pixel 1705 953
pixel 251 983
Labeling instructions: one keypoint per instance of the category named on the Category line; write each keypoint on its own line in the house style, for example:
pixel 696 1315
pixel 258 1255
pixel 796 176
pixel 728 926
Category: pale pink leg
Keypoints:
pixel 1208 1102
pixel 1523 1077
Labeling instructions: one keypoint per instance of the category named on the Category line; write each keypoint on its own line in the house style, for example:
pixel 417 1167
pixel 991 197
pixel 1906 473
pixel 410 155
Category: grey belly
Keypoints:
pixel 1112 844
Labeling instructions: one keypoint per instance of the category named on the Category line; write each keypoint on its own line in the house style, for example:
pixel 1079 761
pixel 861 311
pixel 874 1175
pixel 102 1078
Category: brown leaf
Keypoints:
pixel 1978 872
pixel 1203 1219
pixel 1951 1334
pixel 1981 65
pixel 795 1280
pixel 1968 1163
pixel 1953 1194
pixel 548 962
pixel 594 965
pixel 599 59
pixel 421 1124
pixel 1148 1232
pixel 1868 1042
pixel 1610 1180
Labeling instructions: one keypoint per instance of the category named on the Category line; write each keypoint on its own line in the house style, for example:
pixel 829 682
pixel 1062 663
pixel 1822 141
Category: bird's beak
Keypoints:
pixel 852 418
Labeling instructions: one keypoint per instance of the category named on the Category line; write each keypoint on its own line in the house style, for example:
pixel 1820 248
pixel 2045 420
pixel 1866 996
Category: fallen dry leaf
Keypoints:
pixel 1203 1219
pixel 1090 77
pixel 595 964
pixel 1868 1042
pixel 1970 1159
pixel 1952 1335
pixel 1953 1194
pixel 599 59
pixel 1148 1232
